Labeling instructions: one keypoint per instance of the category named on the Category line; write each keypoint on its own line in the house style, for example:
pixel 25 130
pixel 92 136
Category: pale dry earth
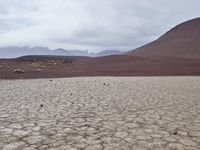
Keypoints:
pixel 100 113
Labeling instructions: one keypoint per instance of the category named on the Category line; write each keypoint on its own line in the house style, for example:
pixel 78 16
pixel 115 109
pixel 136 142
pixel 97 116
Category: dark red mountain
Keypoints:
pixel 183 41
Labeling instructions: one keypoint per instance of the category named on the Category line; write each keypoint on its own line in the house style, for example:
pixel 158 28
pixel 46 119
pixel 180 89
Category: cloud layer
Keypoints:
pixel 90 24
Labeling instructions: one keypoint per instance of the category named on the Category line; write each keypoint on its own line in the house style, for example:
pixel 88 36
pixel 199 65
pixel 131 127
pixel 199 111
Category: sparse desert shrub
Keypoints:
pixel 1 66
pixel 35 65
pixel 19 71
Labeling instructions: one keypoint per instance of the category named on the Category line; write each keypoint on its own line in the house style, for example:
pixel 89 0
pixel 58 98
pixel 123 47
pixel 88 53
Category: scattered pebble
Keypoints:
pixel 175 132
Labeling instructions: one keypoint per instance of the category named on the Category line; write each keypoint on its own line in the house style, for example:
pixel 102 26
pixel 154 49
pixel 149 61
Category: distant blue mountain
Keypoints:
pixel 13 52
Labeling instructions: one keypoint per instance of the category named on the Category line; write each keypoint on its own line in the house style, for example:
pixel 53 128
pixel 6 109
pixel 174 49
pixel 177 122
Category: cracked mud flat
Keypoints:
pixel 100 113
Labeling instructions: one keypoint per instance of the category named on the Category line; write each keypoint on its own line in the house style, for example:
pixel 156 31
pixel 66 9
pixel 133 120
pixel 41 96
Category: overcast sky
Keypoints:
pixel 90 24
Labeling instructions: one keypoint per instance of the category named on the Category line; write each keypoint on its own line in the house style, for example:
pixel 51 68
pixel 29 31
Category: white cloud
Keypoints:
pixel 90 24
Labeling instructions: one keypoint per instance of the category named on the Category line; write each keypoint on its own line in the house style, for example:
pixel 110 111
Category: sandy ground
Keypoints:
pixel 100 113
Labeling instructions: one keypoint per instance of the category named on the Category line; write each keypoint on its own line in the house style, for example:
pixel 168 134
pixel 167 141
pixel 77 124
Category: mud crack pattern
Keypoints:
pixel 100 113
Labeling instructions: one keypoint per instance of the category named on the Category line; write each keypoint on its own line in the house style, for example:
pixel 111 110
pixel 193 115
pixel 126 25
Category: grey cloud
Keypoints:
pixel 90 24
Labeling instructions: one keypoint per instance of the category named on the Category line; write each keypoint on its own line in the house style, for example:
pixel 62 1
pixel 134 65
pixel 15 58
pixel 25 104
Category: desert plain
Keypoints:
pixel 100 113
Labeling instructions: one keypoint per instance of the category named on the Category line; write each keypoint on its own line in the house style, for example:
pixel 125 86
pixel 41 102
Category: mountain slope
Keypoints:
pixel 183 41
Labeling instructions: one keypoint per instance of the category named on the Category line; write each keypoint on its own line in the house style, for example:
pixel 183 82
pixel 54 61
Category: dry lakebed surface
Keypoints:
pixel 100 113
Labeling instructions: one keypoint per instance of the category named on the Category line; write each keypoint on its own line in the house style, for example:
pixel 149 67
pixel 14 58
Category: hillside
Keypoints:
pixel 183 41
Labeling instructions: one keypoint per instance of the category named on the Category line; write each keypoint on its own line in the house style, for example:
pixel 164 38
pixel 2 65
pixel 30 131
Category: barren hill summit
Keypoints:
pixel 182 41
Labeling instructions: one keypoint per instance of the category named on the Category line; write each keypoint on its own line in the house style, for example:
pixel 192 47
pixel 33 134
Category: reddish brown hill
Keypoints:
pixel 183 41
